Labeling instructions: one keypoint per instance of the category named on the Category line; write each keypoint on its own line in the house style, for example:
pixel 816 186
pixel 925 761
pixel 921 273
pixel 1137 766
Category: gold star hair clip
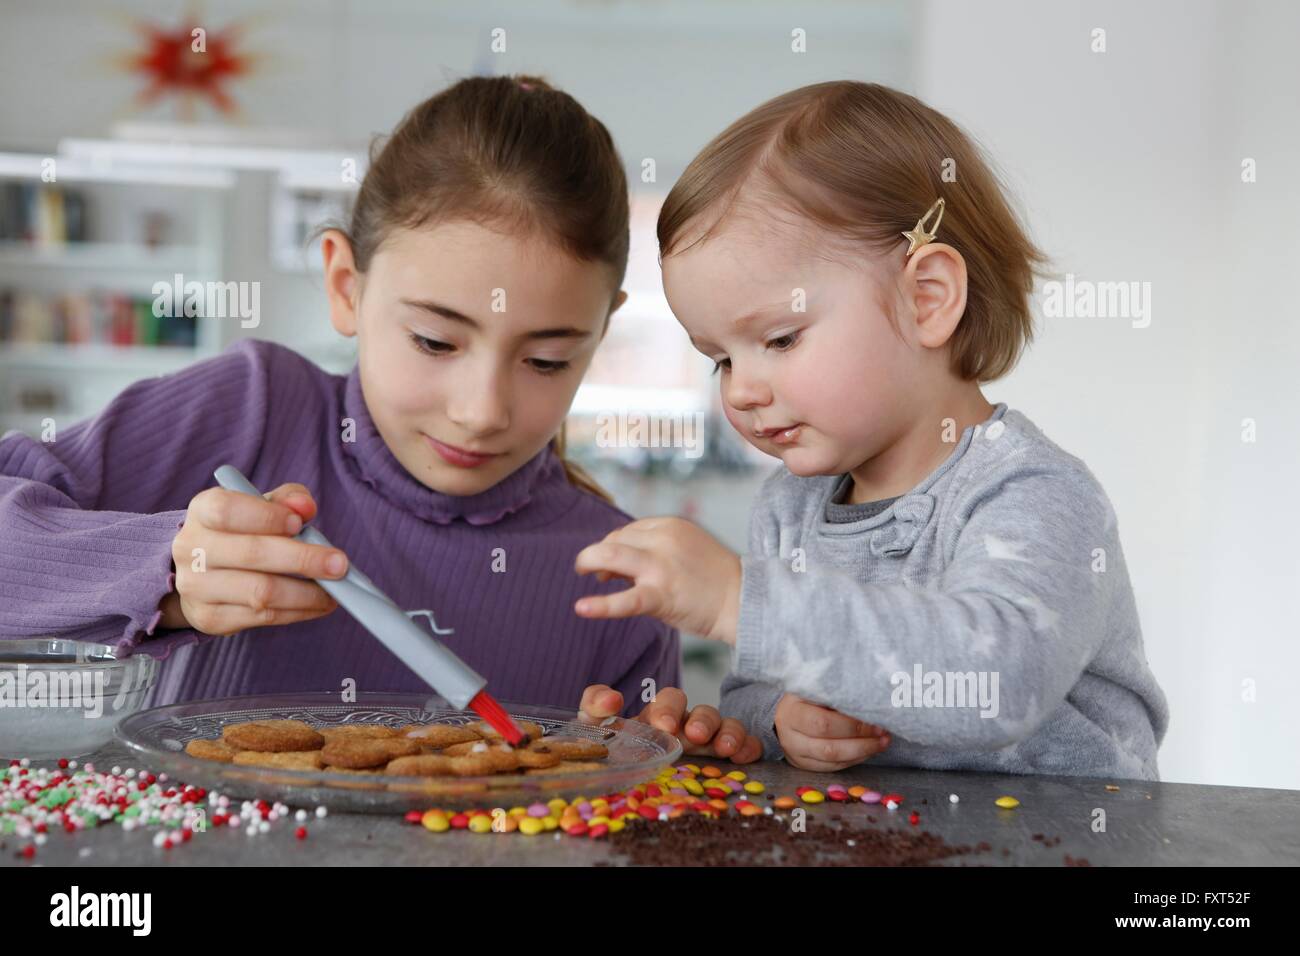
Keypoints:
pixel 919 236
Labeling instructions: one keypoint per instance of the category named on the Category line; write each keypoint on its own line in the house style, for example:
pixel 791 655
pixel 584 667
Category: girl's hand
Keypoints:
pixel 823 739
pixel 680 574
pixel 248 573
pixel 702 732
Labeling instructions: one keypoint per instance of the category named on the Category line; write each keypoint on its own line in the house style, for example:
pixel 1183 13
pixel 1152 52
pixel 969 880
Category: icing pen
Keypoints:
pixel 436 665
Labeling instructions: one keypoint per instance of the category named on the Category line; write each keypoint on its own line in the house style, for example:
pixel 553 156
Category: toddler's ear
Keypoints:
pixel 938 289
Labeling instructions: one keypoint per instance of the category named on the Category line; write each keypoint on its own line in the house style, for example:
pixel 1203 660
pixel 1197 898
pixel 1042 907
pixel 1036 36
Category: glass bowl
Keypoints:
pixel 61 698
pixel 159 735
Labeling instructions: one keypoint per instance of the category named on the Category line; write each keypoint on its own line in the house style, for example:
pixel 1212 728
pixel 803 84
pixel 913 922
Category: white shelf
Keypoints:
pixel 103 256
pixel 99 169
pixel 117 359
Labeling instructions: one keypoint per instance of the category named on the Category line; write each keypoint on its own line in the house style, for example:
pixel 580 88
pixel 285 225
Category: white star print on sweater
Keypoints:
pixel 987 567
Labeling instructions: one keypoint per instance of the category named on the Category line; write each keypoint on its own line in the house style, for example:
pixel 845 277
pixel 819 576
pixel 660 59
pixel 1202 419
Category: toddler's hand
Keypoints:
pixel 702 732
pixel 823 739
pixel 680 574
pixel 249 560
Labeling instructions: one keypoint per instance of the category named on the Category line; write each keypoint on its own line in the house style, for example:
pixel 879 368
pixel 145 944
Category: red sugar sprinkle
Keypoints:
pixel 300 833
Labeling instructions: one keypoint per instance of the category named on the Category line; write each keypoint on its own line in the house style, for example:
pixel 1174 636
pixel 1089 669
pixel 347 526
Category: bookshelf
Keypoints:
pixel 83 242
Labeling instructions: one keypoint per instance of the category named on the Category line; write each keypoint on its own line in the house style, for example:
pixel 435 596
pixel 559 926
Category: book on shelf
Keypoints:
pixel 90 318
pixel 42 213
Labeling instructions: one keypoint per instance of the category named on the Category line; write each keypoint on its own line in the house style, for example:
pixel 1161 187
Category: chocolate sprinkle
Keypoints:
pixel 696 840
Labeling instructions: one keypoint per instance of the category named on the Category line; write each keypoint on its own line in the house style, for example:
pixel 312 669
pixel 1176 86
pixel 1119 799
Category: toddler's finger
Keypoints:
pixel 702 724
pixel 815 720
pixel 600 701
pixel 843 751
pixel 632 602
pixel 665 711
pixel 750 750
pixel 729 737
pixel 620 559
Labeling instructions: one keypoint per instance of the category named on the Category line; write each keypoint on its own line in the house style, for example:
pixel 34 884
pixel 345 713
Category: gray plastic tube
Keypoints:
pixel 435 664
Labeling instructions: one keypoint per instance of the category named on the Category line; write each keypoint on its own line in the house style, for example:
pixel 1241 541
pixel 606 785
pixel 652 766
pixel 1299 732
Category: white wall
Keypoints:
pixel 1127 164
pixel 1128 167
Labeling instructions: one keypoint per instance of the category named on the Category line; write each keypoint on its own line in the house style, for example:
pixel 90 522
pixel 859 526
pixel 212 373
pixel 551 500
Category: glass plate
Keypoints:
pixel 159 735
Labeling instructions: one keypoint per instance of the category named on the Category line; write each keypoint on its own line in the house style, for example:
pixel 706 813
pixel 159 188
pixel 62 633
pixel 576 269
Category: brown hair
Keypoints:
pixel 507 151
pixel 867 162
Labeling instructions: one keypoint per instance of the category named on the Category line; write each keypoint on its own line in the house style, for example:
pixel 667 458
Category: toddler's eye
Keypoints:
pixel 784 343
pixel 725 363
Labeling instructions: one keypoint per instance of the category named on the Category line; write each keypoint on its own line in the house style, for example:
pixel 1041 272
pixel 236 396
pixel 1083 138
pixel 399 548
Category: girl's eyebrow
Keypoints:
pixel 449 313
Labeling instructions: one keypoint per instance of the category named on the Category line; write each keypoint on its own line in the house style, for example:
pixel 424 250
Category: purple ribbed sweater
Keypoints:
pixel 87 521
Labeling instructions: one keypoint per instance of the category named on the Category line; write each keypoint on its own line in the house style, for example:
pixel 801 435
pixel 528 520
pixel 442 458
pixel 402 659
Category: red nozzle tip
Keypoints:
pixel 486 707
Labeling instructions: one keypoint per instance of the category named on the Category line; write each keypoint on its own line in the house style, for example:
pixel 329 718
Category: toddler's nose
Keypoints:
pixel 743 391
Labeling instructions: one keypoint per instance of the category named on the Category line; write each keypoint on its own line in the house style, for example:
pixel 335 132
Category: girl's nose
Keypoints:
pixel 481 404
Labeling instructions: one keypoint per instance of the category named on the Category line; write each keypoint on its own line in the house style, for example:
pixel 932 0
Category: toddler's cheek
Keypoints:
pixel 736 420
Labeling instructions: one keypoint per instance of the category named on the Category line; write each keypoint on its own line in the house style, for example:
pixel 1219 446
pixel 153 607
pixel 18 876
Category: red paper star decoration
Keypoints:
pixel 173 66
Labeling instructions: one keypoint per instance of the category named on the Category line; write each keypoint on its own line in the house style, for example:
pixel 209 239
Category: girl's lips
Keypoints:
pixel 458 456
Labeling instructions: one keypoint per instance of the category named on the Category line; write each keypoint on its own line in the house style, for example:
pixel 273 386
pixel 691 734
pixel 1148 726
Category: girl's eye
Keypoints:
pixel 548 367
pixel 431 346
pixel 725 363
pixel 434 347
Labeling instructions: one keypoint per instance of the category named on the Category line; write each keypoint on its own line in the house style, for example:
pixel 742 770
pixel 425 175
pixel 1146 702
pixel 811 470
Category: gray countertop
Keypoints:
pixel 1156 824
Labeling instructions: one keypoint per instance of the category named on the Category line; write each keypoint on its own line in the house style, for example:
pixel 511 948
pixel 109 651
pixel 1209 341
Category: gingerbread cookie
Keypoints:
pixel 280 760
pixel 217 750
pixel 438 736
pixel 466 747
pixel 492 758
pixel 531 730
pixel 424 765
pixel 536 758
pixel 359 732
pixel 571 748
pixel 272 736
pixel 330 768
pixel 360 753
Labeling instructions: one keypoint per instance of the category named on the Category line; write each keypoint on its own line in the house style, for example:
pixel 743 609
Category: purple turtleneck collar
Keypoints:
pixel 376 466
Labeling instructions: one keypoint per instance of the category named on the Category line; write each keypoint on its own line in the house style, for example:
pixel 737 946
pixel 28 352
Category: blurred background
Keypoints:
pixel 1153 143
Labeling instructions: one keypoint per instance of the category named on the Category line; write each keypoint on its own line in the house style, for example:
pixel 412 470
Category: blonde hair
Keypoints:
pixel 866 162
pixel 510 149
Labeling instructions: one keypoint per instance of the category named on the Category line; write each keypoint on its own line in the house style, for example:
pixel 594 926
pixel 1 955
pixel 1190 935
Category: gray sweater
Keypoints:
pixel 985 618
